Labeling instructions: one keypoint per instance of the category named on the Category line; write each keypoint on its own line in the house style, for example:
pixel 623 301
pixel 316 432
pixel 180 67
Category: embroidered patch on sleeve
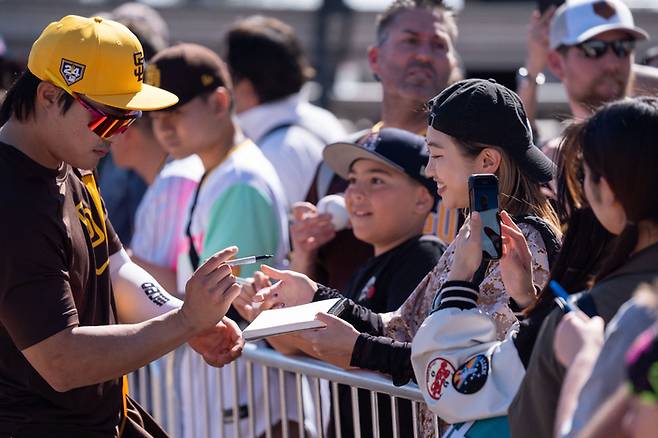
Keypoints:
pixel 437 376
pixel 471 377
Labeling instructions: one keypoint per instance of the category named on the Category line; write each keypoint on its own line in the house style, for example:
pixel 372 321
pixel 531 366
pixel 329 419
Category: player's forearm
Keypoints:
pixel 165 276
pixel 83 356
pixel 138 295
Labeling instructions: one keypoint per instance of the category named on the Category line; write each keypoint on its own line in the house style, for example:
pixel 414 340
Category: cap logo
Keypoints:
pixel 370 143
pixel 206 80
pixel 153 76
pixel 138 60
pixel 604 9
pixel 72 72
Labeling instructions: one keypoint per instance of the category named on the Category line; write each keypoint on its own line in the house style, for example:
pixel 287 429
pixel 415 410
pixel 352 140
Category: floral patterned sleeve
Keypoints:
pixel 494 300
pixel 403 323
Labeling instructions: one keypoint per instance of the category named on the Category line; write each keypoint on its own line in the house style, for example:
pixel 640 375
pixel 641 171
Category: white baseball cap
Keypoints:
pixel 579 20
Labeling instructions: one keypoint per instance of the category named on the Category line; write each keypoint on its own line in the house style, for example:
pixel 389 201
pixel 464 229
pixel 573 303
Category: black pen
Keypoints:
pixel 248 260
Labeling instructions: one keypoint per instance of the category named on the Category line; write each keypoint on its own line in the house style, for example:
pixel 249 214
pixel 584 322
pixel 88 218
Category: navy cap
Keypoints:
pixel 486 112
pixel 396 148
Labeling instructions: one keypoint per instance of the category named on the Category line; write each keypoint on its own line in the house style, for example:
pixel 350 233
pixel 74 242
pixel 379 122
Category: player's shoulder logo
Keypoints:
pixel 471 377
pixel 437 376
pixel 72 72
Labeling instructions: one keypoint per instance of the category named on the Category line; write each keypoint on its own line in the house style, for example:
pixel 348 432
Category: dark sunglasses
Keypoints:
pixel 595 49
pixel 106 125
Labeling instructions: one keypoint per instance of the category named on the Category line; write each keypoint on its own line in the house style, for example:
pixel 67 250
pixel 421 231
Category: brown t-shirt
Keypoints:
pixel 54 274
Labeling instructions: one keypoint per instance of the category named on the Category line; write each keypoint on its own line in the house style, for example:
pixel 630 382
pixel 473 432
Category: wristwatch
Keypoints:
pixel 523 75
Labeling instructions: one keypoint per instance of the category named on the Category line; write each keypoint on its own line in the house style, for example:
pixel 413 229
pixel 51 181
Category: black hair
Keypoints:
pixel 21 97
pixel 620 143
pixel 268 53
pixel 586 243
pixel 386 18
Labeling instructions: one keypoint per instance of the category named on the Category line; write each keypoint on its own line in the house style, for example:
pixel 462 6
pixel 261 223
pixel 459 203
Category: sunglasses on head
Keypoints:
pixel 106 125
pixel 595 49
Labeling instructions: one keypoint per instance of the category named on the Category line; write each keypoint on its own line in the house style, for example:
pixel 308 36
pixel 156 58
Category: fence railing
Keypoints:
pixel 158 389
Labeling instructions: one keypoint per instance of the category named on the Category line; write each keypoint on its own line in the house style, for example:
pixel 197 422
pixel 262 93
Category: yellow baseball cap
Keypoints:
pixel 99 58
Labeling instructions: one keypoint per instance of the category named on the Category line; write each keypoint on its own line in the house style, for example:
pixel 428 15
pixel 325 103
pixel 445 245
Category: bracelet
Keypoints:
pixel 522 74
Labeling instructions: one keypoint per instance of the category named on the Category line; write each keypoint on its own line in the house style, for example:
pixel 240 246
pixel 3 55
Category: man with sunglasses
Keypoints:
pixel 591 49
pixel 592 45
pixel 76 315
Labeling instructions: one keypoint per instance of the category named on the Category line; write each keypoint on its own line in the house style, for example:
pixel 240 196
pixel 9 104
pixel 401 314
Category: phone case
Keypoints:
pixel 483 194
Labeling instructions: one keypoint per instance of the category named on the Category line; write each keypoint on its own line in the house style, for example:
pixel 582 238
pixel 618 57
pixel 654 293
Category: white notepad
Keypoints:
pixel 288 319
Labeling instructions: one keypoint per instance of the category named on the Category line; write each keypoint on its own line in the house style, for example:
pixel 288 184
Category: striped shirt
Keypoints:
pixel 161 216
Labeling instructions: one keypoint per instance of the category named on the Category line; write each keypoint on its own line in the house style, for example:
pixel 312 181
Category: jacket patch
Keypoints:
pixel 471 377
pixel 437 376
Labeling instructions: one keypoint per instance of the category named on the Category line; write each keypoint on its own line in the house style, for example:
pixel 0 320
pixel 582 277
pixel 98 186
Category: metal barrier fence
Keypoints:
pixel 157 389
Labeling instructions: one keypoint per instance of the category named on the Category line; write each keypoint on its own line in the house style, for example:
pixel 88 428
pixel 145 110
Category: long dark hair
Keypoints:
pixel 620 144
pixel 585 242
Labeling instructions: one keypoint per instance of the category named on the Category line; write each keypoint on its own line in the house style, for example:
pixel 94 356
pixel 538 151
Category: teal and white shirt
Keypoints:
pixel 240 202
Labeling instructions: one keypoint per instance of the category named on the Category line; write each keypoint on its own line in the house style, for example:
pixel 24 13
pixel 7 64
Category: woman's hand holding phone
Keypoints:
pixel 468 249
pixel 515 264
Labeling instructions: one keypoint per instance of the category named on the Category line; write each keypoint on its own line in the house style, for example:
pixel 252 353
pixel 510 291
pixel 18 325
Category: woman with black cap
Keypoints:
pixel 482 125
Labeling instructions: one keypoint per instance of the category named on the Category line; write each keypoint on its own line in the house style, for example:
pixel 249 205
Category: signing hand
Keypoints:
pixel 220 344
pixel 577 332
pixel 333 344
pixel 516 263
pixel 210 292
pixel 293 289
pixel 468 249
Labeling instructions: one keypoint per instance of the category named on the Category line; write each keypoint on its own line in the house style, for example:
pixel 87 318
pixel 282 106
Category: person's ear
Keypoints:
pixel 220 102
pixel 555 63
pixel 48 95
pixel 607 196
pixel 489 160
pixel 373 60
pixel 424 200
